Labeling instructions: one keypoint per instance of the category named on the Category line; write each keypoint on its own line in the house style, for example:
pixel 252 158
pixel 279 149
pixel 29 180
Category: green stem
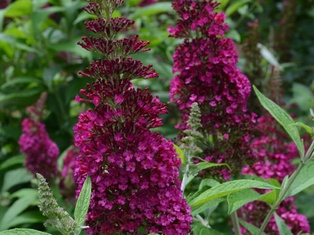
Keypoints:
pixel 235 223
pixel 280 198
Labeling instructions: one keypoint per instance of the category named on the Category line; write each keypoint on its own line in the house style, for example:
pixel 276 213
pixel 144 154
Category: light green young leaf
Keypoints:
pixel 19 8
pixel 238 199
pixel 304 180
pixel 23 231
pixel 307 128
pixel 282 227
pixel 251 228
pixel 283 118
pixel 82 203
pixel 226 189
pixel 180 153
pixel 269 197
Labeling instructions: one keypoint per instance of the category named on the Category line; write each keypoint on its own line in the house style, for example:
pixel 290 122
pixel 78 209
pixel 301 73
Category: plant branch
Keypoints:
pixel 280 197
pixel 235 223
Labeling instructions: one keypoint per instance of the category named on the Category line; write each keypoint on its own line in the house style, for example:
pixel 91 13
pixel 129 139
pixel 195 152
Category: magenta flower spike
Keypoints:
pixel 134 172
pixel 206 73
pixel 41 152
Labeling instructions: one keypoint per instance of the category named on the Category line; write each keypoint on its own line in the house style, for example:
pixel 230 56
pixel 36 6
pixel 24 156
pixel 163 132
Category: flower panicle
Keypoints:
pixel 41 152
pixel 206 73
pixel 134 172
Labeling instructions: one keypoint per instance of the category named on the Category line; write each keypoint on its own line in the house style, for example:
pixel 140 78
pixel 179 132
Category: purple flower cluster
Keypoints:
pixel 273 151
pixel 274 154
pixel 206 73
pixel 41 152
pixel 134 172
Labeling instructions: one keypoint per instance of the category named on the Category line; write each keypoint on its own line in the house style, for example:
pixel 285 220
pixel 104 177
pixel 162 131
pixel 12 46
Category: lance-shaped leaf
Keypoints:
pixel 82 203
pixel 284 119
pixel 226 189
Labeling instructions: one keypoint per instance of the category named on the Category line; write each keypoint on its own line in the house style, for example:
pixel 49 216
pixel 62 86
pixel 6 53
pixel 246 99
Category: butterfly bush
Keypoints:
pixel 206 73
pixel 274 153
pixel 41 152
pixel 134 172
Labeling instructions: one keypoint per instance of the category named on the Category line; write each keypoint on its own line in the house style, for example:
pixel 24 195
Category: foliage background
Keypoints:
pixel 38 52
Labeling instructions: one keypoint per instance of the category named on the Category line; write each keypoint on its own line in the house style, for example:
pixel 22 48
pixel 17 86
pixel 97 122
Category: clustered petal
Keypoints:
pixel 41 152
pixel 206 73
pixel 134 172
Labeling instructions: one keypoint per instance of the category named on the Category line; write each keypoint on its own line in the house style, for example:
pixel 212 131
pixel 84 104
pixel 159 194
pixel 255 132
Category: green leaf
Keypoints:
pixel 83 201
pixel 15 177
pixel 205 165
pixel 251 228
pixel 238 199
pixel 18 159
pixel 226 189
pixel 23 231
pixel 15 209
pixel 269 197
pixel 19 8
pixel 21 98
pixel 199 229
pixel 180 153
pixel 283 118
pixel 161 7
pixel 281 225
pixel 303 96
pixel 25 192
pixel 71 46
pixel 304 180
pixel 211 205
pixel 235 6
pixel 195 169
pixel 20 80
pixel 308 129
pixel 28 217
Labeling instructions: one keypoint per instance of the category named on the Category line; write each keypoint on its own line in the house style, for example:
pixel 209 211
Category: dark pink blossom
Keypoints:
pixel 134 172
pixel 206 73
pixel 41 152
